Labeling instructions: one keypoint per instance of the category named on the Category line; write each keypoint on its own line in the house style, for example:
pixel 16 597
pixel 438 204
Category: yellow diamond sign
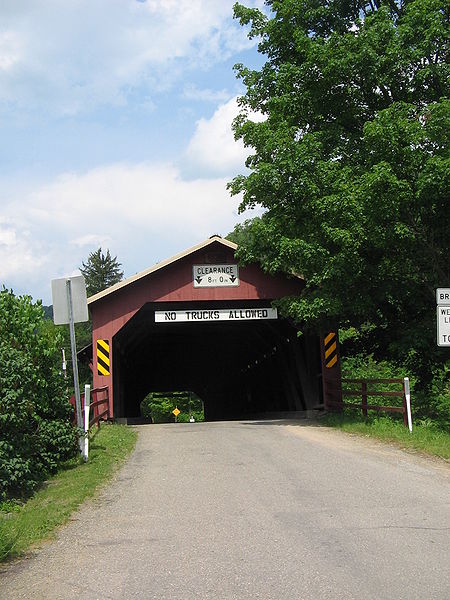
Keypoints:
pixel 176 412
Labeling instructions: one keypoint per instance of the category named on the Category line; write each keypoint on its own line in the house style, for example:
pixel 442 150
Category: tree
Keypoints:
pixel 36 434
pixel 351 164
pixel 159 406
pixel 101 271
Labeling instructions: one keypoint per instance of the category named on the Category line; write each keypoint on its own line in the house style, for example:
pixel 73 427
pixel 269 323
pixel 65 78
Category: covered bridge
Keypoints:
pixel 199 322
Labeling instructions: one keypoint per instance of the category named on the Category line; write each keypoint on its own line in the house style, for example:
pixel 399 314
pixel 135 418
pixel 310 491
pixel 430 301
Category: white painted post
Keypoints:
pixel 87 402
pixel 64 364
pixel 408 402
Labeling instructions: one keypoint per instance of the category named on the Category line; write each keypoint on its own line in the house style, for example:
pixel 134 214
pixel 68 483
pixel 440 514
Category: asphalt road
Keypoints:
pixel 266 510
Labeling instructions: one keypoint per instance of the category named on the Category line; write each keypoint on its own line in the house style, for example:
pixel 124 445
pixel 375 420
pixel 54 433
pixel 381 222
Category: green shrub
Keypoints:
pixel 434 403
pixel 36 433
pixel 431 404
pixel 360 366
pixel 197 414
pixel 159 406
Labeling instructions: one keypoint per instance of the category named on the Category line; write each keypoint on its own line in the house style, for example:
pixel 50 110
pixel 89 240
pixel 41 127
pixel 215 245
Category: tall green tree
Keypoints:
pixel 101 271
pixel 36 433
pixel 351 164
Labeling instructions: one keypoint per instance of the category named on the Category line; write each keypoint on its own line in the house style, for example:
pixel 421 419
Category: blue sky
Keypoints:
pixel 115 129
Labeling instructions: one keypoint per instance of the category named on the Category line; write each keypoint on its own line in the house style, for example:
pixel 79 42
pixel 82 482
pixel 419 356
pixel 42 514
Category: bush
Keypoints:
pixel 159 406
pixel 36 433
pixel 431 404
pixel 366 367
pixel 434 403
pixel 197 414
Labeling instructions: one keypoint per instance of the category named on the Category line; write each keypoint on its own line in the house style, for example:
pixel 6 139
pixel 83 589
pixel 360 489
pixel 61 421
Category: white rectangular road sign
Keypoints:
pixel 220 314
pixel 215 276
pixel 443 296
pixel 60 300
pixel 443 325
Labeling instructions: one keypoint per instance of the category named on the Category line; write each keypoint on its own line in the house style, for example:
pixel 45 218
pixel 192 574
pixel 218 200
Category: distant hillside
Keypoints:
pixel 48 312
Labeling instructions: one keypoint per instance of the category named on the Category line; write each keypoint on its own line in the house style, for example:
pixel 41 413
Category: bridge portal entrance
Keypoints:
pixel 242 365
pixel 200 322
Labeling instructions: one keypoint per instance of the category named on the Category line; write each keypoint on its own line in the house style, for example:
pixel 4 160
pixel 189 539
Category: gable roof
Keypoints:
pixel 212 240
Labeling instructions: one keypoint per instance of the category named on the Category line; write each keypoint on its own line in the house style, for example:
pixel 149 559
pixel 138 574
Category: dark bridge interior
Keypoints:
pixel 238 369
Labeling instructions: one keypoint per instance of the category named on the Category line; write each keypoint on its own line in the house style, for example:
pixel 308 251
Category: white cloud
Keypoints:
pixel 60 58
pixel 143 213
pixel 144 198
pixel 213 149
pixel 80 54
pixel 9 50
pixel 91 239
pixel 192 92
pixel 18 261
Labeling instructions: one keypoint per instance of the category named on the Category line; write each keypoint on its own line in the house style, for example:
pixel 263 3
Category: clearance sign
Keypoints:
pixel 215 276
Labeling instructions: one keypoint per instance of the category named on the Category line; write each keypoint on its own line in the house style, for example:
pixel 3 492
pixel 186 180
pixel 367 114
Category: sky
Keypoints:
pixel 115 131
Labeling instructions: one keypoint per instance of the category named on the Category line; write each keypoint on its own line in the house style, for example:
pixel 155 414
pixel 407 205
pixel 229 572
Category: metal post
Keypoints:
pixel 191 418
pixel 73 347
pixel 407 397
pixel 87 403
pixel 64 364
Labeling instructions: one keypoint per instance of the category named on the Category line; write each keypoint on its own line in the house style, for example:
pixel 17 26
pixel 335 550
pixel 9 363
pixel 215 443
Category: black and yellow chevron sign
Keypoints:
pixel 330 347
pixel 103 367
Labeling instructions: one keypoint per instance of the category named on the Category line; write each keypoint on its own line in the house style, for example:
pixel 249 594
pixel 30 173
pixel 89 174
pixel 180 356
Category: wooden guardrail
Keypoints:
pixel 363 388
pixel 99 406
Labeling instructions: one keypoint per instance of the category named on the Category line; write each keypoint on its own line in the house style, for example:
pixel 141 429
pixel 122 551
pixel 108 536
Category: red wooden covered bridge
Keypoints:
pixel 200 322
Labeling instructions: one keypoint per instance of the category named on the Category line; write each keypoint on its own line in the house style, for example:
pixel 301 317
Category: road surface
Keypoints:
pixel 268 510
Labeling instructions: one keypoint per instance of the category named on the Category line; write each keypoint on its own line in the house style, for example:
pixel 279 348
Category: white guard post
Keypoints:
pixel 408 402
pixel 87 402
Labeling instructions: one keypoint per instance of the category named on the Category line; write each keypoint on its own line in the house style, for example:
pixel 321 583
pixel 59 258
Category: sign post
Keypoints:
pixel 408 402
pixel 73 346
pixel 70 307
pixel 64 364
pixel 87 405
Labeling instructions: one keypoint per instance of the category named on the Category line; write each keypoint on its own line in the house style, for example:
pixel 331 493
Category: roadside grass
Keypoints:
pixel 24 525
pixel 427 436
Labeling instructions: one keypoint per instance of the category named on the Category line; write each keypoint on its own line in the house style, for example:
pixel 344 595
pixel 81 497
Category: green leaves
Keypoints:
pixel 159 406
pixel 35 429
pixel 351 164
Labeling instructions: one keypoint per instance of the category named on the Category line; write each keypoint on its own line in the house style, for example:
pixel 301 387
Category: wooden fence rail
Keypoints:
pixel 364 391
pixel 99 414
pixel 99 406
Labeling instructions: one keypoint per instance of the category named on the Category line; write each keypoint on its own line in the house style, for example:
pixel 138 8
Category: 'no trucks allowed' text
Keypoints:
pixel 221 314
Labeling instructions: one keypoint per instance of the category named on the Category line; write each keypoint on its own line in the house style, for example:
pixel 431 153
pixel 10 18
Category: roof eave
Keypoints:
pixel 160 265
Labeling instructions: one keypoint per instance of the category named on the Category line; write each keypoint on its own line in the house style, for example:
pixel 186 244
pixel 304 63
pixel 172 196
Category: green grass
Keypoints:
pixel 23 525
pixel 426 436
